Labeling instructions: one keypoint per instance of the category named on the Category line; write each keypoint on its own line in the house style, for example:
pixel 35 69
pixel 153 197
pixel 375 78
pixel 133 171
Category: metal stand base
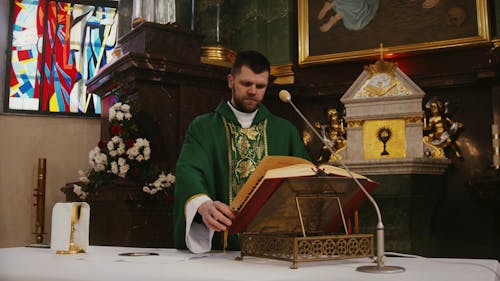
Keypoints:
pixel 71 251
pixel 38 245
pixel 382 269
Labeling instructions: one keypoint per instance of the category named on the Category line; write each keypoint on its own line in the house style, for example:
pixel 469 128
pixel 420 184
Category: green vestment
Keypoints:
pixel 203 164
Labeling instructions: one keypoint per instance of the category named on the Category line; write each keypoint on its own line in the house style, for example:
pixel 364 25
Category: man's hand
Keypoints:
pixel 216 215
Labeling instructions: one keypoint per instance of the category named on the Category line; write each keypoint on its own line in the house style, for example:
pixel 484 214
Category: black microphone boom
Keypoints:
pixel 285 96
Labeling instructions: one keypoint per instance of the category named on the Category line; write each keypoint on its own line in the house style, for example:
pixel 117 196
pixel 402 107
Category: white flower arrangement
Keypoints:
pixel 140 145
pixel 119 111
pixel 122 157
pixel 120 167
pixel 163 181
pixel 97 159
pixel 116 146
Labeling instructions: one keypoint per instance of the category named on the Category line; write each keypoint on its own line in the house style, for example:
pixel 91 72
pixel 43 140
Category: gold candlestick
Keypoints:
pixel 40 204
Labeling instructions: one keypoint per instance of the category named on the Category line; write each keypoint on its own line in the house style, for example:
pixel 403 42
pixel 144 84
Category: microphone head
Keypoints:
pixel 285 96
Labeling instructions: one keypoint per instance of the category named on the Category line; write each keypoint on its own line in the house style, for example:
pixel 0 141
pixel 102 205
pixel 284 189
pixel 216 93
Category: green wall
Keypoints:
pixel 266 26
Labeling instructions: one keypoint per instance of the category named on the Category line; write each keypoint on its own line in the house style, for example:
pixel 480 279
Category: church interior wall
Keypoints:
pixel 463 224
pixel 26 138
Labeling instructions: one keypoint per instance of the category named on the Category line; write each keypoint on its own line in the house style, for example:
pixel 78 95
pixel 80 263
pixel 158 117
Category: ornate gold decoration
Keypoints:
pixel 433 151
pixel 355 123
pixel 414 120
pixel 300 222
pixel 246 147
pixel 381 66
pixel 379 143
pixel 283 73
pixel 382 81
pixel 384 134
pixel 333 133
pixel 217 55
pixel 306 137
pixel 306 249
pixel 440 130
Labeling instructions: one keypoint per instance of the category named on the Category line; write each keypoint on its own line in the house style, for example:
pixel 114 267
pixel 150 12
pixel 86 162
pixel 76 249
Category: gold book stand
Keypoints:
pixel 299 221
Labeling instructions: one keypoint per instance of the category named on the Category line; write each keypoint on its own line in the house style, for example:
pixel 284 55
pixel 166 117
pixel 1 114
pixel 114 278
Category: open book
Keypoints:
pixel 270 174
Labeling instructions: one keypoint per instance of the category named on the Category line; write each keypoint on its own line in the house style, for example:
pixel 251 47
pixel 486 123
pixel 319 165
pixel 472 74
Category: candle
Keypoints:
pixel 218 23
pixel 192 14
pixel 495 130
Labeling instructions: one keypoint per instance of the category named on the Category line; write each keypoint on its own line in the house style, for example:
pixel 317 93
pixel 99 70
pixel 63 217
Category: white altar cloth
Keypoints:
pixel 104 263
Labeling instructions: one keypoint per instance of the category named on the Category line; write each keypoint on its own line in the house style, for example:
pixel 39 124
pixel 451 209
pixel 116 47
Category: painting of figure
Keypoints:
pixel 348 28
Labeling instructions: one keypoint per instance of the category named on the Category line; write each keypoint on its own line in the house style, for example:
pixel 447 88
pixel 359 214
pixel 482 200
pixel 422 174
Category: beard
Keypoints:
pixel 246 104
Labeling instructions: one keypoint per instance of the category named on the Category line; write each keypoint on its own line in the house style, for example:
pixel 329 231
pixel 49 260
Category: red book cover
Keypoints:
pixel 252 207
pixel 280 185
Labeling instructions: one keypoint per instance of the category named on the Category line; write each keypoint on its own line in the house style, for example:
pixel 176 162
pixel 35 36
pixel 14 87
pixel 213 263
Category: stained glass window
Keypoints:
pixel 56 47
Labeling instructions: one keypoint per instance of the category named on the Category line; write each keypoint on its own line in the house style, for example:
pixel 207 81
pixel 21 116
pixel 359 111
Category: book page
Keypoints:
pixel 297 170
pixel 334 170
pixel 267 163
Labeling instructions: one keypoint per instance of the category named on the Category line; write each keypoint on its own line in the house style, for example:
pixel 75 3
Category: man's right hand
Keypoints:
pixel 216 215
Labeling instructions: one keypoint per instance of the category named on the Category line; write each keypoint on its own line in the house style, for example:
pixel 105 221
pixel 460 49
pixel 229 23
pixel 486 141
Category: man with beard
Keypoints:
pixel 220 151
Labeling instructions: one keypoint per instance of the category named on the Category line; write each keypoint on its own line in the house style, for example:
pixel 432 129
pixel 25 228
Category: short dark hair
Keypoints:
pixel 256 61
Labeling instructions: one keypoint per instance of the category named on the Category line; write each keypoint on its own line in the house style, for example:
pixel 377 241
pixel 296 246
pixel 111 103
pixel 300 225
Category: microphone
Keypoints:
pixel 285 96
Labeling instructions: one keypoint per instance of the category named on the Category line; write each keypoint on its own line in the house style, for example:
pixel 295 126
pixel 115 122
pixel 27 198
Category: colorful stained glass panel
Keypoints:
pixel 56 47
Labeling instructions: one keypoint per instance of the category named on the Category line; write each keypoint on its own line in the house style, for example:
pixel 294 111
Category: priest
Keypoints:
pixel 220 151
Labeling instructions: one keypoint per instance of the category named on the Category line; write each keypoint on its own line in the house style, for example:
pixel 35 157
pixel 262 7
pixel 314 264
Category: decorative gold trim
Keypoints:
pixel 414 120
pixel 355 123
pixel 431 150
pixel 306 249
pixel 230 154
pixel 496 43
pixel 217 55
pixel 408 120
pixel 303 29
pixel 229 159
pixel 191 198
pixel 381 66
pixel 266 146
pixel 305 58
pixel 284 74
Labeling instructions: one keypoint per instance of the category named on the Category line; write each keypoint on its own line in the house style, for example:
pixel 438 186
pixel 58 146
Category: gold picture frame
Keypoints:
pixel 495 18
pixel 450 23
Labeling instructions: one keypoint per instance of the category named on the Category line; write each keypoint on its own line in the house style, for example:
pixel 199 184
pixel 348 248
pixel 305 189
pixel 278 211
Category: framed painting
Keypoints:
pixel 335 30
pixel 495 17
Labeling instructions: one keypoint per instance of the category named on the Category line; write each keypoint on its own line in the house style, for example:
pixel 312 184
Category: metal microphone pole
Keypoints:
pixel 285 96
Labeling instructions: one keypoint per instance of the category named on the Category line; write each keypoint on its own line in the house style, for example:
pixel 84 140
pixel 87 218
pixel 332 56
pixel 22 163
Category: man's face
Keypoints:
pixel 248 89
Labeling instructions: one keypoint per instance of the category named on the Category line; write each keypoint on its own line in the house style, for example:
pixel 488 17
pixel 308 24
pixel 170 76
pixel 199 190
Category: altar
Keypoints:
pixel 106 263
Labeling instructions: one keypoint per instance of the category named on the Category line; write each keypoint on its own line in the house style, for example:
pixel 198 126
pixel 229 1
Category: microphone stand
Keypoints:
pixel 285 96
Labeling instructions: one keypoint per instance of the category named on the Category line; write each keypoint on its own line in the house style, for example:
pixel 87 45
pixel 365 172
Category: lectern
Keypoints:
pixel 304 221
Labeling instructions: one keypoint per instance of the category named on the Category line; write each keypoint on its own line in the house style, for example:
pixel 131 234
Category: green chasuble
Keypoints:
pixel 218 156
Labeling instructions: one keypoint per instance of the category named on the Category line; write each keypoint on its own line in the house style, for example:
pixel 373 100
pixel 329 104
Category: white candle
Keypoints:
pixel 495 130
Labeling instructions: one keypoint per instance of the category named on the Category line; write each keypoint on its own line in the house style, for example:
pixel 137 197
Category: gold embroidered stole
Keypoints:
pixel 246 147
